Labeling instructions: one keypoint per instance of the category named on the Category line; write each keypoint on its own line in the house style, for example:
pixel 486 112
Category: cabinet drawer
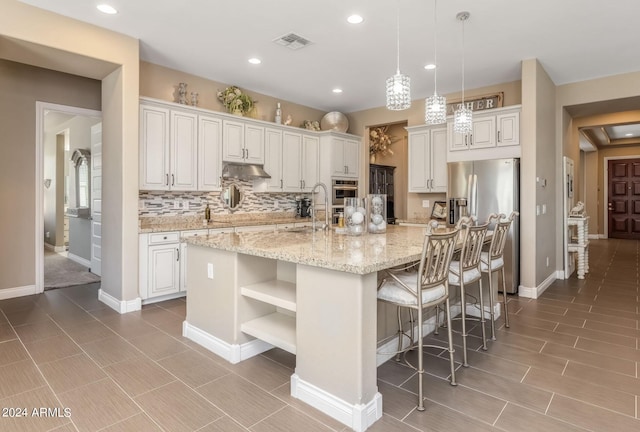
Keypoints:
pixel 164 237
pixel 194 233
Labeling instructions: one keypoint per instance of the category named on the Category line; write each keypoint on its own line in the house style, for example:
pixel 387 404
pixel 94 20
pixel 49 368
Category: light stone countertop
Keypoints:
pixel 162 224
pixel 352 254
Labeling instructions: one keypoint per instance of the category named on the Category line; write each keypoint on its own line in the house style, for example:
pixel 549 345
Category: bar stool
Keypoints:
pixel 493 260
pixel 427 287
pixel 466 271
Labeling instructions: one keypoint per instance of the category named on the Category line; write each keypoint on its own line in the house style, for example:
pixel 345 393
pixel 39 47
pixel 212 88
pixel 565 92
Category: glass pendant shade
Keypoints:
pixel 435 109
pixel 398 92
pixel 462 120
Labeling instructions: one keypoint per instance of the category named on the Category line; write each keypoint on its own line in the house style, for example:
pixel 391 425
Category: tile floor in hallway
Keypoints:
pixel 569 362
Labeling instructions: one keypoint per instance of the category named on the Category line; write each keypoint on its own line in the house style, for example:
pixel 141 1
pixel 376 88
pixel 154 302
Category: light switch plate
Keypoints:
pixel 425 203
pixel 210 270
pixel 537 210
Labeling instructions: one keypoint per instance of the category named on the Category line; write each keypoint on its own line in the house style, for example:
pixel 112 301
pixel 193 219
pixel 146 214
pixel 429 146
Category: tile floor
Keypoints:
pixel 569 362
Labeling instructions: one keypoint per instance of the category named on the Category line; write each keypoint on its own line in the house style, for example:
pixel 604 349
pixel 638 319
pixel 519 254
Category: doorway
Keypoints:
pixel 623 198
pixel 69 209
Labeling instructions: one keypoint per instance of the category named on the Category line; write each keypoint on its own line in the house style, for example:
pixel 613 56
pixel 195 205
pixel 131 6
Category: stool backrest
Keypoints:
pixel 500 234
pixel 437 251
pixel 472 241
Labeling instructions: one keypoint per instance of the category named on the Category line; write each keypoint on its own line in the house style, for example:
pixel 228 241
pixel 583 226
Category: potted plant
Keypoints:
pixel 235 101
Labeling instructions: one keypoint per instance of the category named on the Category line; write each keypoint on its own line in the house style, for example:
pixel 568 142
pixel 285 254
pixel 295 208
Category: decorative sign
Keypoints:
pixel 479 103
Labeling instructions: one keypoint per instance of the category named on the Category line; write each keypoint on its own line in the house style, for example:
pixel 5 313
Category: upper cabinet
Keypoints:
pixel 291 159
pixel 209 153
pixel 168 149
pixel 343 154
pixel 427 159
pixel 243 142
pixel 495 134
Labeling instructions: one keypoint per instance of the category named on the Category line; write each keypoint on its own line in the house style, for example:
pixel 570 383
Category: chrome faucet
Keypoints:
pixel 313 206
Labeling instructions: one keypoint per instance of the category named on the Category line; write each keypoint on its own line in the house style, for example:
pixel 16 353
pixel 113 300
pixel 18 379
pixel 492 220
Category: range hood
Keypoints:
pixel 243 171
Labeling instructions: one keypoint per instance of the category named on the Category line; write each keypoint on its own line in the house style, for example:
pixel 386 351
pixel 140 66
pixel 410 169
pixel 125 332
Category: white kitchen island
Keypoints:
pixel 312 294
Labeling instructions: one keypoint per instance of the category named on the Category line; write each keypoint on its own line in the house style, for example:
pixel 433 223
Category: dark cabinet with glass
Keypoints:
pixel 381 182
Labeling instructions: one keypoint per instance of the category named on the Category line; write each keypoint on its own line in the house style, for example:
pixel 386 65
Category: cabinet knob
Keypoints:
pixel 165 237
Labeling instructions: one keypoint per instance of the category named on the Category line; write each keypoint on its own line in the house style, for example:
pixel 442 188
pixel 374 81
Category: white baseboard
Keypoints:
pixel 79 260
pixel 233 353
pixel 536 292
pixel 120 306
pixel 164 297
pixel 358 417
pixel 22 291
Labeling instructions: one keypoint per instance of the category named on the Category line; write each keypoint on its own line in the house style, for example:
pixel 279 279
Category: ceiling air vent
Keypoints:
pixel 292 41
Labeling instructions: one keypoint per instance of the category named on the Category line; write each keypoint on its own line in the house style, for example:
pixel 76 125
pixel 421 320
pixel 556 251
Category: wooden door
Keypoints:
pixel 624 198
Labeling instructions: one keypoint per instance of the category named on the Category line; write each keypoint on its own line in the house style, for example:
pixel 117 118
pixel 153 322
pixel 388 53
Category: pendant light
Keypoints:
pixel 399 85
pixel 463 117
pixel 435 107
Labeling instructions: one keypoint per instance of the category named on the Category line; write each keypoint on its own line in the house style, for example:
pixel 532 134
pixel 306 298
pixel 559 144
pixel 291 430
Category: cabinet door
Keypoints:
pixel 164 269
pixel 419 167
pixel 338 166
pixel 233 141
pixel 273 158
pixel 352 157
pixel 254 144
pixel 438 158
pixel 309 165
pixel 484 130
pixel 209 153
pixel 508 129
pixel 291 156
pixel 457 141
pixel 184 151
pixel 154 148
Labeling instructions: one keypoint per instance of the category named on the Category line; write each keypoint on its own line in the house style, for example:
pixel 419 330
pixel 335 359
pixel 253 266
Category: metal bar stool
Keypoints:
pixel 466 270
pixel 493 260
pixel 427 287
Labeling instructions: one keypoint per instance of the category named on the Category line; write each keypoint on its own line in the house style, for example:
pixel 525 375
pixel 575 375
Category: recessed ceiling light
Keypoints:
pixel 355 19
pixel 105 8
pixel 430 66
pixel 255 60
pixel 628 134
pixel 337 90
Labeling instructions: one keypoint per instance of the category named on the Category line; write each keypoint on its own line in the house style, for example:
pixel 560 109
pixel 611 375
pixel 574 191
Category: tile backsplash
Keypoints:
pixel 163 203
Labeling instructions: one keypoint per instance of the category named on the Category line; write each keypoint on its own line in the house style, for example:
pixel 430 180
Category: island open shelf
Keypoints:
pixel 277 329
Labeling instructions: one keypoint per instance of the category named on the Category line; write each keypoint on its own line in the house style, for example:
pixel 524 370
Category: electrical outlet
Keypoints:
pixel 47 234
pixel 210 270
pixel 185 204
pixel 547 261
pixel 544 209
pixel 176 204
pixel 537 210
pixel 425 203
pixel 276 205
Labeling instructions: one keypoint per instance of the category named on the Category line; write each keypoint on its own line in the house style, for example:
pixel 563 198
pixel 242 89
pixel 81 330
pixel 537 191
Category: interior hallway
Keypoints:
pixel 569 362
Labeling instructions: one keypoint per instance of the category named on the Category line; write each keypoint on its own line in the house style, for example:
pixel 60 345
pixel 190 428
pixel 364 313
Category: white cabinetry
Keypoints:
pixel 168 148
pixel 427 159
pixel 291 159
pixel 160 264
pixel 180 149
pixel 209 153
pixel 495 135
pixel 482 134
pixel 343 154
pixel 243 142
pixel 508 128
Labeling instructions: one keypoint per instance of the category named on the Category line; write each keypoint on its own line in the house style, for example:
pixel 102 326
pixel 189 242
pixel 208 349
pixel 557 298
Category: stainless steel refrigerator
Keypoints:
pixel 480 188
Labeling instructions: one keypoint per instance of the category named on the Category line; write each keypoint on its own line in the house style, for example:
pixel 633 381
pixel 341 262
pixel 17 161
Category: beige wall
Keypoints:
pixel 20 87
pixel 159 82
pixel 40 38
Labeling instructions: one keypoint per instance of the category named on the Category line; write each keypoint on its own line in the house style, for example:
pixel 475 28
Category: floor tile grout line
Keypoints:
pixel 500 413
pixel 525 375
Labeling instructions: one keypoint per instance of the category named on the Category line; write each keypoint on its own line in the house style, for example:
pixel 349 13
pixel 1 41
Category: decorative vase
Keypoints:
pixel 372 158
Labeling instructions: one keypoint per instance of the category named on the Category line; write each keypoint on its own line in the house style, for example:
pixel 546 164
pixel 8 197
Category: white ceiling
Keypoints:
pixel 574 40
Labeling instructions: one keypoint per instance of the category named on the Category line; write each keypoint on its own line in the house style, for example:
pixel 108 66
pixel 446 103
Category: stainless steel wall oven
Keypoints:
pixel 341 189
